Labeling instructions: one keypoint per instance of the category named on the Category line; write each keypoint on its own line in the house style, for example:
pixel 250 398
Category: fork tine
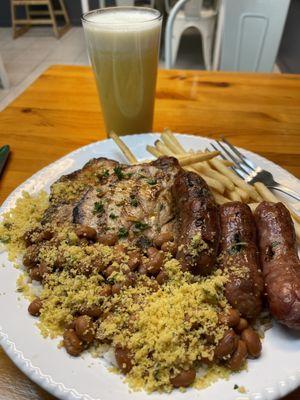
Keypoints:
pixel 240 173
pixel 227 152
pixel 241 164
pixel 239 154
pixel 215 148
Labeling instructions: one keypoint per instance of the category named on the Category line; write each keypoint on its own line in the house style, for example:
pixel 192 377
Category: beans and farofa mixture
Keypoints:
pixel 128 258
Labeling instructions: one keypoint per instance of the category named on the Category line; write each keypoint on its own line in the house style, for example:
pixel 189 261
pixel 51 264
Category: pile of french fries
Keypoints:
pixel 224 183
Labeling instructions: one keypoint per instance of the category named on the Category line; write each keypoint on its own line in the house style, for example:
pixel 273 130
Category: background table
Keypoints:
pixel 60 112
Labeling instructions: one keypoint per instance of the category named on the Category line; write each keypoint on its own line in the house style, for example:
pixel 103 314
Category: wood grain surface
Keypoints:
pixel 60 112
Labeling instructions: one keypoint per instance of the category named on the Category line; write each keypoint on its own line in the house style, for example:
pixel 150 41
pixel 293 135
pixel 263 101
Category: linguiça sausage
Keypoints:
pixel 239 259
pixel 280 261
pixel 198 223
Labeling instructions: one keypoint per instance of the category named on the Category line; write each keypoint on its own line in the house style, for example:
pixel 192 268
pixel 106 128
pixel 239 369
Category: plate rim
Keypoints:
pixel 58 389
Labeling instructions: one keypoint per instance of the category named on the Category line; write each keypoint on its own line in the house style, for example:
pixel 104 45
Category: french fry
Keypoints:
pixel 124 148
pixel 220 199
pixel 197 157
pixel 234 196
pixel 212 183
pixel 163 148
pixel 153 150
pixel 172 144
pixel 253 206
pixel 169 137
pixel 243 194
pixel 215 162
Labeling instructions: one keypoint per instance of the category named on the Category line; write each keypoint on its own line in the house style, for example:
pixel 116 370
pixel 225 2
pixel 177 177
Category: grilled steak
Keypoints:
pixel 136 203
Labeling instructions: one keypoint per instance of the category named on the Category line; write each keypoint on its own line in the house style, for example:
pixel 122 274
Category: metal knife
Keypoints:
pixel 4 152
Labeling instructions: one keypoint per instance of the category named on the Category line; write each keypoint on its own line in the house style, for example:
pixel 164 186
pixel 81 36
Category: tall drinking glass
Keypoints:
pixel 123 45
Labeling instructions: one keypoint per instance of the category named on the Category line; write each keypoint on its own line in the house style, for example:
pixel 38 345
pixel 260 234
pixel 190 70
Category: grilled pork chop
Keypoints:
pixel 132 201
pixel 134 204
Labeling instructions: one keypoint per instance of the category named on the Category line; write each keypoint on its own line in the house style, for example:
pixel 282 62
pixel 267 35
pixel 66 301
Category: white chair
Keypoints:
pixel 186 14
pixel 102 3
pixel 3 75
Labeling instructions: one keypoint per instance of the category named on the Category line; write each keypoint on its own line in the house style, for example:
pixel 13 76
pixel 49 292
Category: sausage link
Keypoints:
pixel 280 261
pixel 239 258
pixel 198 223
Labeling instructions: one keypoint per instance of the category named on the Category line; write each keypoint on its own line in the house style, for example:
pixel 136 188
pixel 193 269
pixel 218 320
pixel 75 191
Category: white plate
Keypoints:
pixel 272 376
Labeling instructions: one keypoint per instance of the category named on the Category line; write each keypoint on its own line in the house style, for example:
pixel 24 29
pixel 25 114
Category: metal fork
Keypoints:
pixel 250 172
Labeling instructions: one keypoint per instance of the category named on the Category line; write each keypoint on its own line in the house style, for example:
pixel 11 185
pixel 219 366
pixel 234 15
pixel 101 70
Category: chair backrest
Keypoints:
pixel 125 3
pixel 192 8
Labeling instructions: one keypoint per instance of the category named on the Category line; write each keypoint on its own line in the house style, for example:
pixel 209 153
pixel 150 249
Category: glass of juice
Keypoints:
pixel 123 46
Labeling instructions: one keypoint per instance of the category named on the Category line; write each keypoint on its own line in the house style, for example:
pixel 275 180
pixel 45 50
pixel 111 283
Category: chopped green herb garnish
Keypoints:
pixel 105 173
pixel 123 232
pixel 274 244
pixel 141 226
pixel 235 387
pixel 152 181
pixel 98 208
pixel 129 175
pixel 236 248
pixel 113 216
pixel 133 200
pixel 118 171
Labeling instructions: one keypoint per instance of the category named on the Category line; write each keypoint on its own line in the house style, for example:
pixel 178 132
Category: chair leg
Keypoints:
pixel 178 30
pixel 207 50
pixel 3 75
pixel 64 10
pixel 53 20
pixel 13 20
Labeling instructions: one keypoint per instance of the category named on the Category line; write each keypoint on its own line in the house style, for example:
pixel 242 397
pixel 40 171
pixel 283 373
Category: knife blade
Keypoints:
pixel 4 152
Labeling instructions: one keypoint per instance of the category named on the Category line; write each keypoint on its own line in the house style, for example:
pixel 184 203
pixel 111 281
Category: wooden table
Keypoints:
pixel 60 112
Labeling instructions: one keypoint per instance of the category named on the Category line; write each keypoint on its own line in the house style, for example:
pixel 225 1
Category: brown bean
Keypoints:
pixel 134 260
pixel 242 325
pixel 116 288
pixel 86 232
pixel 130 279
pixel 27 238
pixel 170 247
pixel 252 341
pixel 238 357
pixel 109 270
pixel 35 274
pixel 151 251
pixel 109 239
pixel 45 235
pixel 227 345
pixel 231 318
pixel 155 263
pixel 124 359
pixel 105 291
pixel 35 306
pixel 143 268
pixel 84 328
pixel 93 311
pixel 30 258
pixel 162 277
pixel 72 343
pixel 184 378
pixel 163 238
pixel 44 269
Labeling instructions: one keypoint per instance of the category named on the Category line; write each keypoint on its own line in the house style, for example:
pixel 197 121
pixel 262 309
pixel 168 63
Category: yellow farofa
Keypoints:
pixel 26 215
pixel 157 326
pixel 166 328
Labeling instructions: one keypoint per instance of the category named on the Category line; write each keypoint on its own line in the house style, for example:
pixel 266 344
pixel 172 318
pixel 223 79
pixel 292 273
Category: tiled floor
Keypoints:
pixel 28 56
